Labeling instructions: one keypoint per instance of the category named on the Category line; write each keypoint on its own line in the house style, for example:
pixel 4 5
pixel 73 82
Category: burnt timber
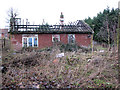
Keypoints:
pixel 77 27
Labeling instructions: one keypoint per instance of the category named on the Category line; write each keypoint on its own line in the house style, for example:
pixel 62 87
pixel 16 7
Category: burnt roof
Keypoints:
pixel 77 27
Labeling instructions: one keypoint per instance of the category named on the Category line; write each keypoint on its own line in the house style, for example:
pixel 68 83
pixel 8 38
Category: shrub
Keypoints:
pixel 69 47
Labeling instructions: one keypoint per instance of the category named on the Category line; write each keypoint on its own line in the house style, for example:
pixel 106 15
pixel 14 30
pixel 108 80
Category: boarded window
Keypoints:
pixel 71 38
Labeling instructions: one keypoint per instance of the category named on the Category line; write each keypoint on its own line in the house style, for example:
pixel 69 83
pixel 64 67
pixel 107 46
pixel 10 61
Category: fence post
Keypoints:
pixel 92 43
pixel 4 42
pixel 11 48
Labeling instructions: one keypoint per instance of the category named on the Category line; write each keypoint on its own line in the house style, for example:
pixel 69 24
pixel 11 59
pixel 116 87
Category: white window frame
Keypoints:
pixel 53 36
pixel 73 36
pixel 23 41
pixel 33 41
pixel 36 36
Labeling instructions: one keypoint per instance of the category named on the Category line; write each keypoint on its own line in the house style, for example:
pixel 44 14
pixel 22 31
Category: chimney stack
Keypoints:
pixel 61 18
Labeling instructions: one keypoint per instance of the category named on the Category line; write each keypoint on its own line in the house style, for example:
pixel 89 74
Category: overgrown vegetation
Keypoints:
pixel 77 69
pixel 105 23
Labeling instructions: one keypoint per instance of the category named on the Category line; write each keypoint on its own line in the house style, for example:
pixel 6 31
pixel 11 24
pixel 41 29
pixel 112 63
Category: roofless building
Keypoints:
pixel 42 36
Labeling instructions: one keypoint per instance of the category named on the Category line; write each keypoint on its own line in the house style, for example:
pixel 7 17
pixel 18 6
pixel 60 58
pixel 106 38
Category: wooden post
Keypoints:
pixel 119 42
pixel 11 48
pixel 92 43
pixel 4 42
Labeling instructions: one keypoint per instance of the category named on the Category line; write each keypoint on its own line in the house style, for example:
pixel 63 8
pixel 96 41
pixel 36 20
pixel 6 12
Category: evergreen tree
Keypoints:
pixel 104 21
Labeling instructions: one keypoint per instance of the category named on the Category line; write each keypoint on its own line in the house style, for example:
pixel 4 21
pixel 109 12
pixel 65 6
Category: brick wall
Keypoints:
pixel 16 41
pixel 45 40
pixel 83 39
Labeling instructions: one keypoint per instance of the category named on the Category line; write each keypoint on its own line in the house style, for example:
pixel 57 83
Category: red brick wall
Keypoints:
pixel 16 41
pixel 82 39
pixel 44 40
pixel 18 37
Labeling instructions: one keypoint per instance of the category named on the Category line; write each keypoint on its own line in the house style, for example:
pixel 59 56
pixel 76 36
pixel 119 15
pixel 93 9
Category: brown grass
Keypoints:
pixel 44 70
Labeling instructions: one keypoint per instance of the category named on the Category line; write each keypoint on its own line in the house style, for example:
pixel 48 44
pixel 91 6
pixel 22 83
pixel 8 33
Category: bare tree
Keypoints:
pixel 12 13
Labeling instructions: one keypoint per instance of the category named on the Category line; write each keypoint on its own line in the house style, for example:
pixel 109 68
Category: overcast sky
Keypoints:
pixel 49 10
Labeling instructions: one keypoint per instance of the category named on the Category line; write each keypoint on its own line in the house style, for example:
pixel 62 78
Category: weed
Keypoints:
pixel 72 70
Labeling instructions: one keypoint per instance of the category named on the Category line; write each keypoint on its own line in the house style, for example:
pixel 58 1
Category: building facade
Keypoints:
pixel 45 36
pixel 42 36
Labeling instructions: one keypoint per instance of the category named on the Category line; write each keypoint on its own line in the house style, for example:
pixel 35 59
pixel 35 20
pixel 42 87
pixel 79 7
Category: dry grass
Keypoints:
pixel 75 69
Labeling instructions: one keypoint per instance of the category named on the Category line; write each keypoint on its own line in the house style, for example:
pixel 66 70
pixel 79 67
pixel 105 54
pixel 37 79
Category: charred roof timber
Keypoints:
pixel 76 27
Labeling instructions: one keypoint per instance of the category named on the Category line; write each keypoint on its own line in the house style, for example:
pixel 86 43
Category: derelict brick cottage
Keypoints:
pixel 42 36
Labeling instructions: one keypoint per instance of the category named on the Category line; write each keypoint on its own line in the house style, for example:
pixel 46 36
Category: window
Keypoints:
pixel 55 38
pixel 71 38
pixel 35 41
pixel 30 40
pixel 24 42
pixel 89 36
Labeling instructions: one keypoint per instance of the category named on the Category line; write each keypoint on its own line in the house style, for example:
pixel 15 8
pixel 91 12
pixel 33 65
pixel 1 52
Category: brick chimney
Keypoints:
pixel 61 18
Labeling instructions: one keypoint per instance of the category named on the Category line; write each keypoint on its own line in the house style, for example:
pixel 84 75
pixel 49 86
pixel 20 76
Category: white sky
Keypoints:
pixel 49 10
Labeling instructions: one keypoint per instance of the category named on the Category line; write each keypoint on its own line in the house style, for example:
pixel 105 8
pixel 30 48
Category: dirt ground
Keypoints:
pixel 31 68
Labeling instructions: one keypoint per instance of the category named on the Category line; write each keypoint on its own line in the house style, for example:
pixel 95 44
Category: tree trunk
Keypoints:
pixel 114 39
pixel 119 42
pixel 108 37
pixel 117 38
